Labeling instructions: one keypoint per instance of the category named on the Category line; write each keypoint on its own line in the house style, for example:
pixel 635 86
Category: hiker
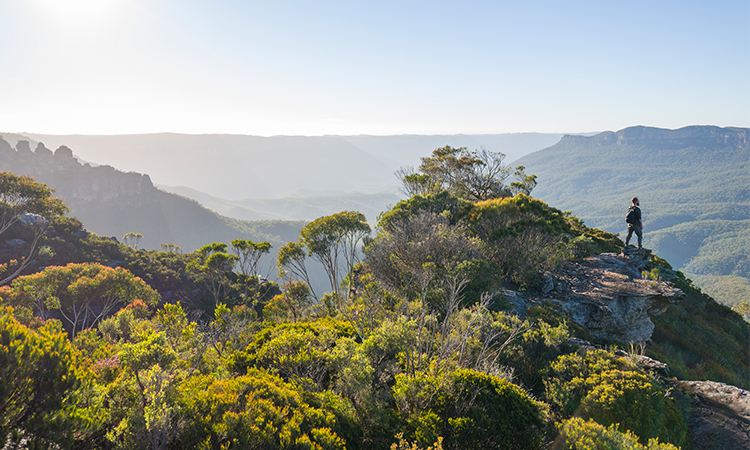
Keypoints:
pixel 635 223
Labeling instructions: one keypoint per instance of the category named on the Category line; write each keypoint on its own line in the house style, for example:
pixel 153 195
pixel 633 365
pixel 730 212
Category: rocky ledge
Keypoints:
pixel 719 414
pixel 607 295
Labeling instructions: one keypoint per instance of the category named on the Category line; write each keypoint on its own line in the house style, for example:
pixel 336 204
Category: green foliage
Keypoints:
pixel 132 239
pixel 728 290
pixel 333 242
pixel 520 234
pixel 474 175
pixel 164 271
pixel 83 294
pixel 442 203
pixel 653 274
pixel 415 256
pixel 531 355
pixel 743 308
pixel 293 303
pixel 524 184
pixel 469 410
pixel 579 434
pixel 581 247
pixel 22 196
pixel 213 266
pixel 294 350
pixel 700 339
pixel 37 373
pixel 248 254
pixel 600 386
pixel 403 444
pixel 257 409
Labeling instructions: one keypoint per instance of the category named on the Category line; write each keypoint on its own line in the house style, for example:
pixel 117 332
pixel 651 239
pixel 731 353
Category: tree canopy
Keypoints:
pixel 22 198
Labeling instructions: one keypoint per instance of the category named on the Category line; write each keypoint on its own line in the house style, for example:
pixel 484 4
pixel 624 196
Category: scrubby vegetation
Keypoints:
pixel 413 347
pixel 693 188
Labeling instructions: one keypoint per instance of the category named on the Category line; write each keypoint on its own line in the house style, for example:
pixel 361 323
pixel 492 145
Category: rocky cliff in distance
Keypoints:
pixel 113 203
pixel 692 183
pixel 692 136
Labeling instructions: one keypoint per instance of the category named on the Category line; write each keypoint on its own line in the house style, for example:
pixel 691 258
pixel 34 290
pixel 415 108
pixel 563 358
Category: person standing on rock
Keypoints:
pixel 635 223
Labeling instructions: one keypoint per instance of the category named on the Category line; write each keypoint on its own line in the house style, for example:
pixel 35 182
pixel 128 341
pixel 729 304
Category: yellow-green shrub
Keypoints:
pixel 469 409
pixel 588 435
pixel 600 386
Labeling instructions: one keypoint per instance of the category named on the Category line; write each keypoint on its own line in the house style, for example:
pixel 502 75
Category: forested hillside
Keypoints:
pixel 693 185
pixel 474 317
pixel 114 203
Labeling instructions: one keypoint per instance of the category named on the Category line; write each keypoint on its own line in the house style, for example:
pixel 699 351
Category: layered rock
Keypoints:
pixel 607 295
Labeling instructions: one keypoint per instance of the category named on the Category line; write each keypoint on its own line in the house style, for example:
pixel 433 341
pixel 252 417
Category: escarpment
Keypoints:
pixel 607 295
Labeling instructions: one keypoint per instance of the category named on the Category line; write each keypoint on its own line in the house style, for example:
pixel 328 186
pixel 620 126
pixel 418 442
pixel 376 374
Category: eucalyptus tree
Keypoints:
pixel 473 175
pixel 333 241
pixel 213 264
pixel 248 254
pixel 291 263
pixel 23 199
pixel 82 294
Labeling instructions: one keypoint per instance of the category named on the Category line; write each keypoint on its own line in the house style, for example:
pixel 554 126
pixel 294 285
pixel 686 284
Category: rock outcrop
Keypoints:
pixel 719 414
pixel 607 295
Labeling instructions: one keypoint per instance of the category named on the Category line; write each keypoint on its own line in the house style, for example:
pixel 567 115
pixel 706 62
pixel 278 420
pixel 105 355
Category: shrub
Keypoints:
pixel 600 386
pixel 469 409
pixel 589 435
pixel 256 410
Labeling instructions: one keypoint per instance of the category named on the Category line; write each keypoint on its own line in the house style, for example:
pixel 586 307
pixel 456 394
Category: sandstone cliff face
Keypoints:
pixel 684 137
pixel 606 295
pixel 79 184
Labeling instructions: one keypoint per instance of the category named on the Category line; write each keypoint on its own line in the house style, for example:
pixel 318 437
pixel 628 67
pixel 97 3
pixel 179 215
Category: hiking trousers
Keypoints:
pixel 638 232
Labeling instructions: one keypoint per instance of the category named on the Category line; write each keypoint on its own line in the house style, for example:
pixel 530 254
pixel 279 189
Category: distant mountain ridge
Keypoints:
pixel 113 203
pixel 696 135
pixel 308 207
pixel 694 186
pixel 236 167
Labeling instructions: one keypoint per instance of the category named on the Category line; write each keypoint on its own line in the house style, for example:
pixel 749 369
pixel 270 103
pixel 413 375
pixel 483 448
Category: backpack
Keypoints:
pixel 631 217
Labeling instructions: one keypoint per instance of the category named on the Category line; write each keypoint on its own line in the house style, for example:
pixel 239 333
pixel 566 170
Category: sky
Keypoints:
pixel 286 67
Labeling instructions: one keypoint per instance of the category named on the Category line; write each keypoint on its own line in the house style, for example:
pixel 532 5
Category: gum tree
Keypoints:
pixel 83 294
pixel 333 241
pixel 23 199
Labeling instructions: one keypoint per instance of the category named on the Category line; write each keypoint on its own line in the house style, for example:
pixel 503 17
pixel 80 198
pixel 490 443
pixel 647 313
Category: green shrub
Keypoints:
pixel 256 410
pixel 469 409
pixel 600 386
pixel 588 435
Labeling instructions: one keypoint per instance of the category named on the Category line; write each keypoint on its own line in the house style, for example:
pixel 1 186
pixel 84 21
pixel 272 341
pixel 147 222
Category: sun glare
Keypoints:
pixel 76 12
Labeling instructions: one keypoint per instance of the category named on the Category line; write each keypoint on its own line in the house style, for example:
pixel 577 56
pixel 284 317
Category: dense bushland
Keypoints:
pixel 413 348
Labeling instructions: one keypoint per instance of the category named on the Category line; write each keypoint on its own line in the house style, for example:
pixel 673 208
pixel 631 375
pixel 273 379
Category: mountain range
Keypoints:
pixel 236 167
pixel 113 203
pixel 694 188
pixel 692 182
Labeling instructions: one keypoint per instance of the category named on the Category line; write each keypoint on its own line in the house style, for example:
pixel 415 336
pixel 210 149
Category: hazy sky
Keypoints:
pixel 359 67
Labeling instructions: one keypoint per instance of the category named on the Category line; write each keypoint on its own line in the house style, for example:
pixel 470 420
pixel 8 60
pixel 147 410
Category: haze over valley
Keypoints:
pixel 377 225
